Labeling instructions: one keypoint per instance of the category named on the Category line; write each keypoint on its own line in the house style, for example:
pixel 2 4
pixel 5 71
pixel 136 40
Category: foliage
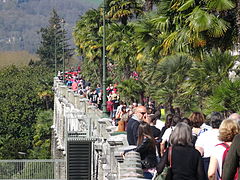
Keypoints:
pixel 122 10
pixel 171 47
pixel 206 75
pixel 54 43
pixel 183 26
pixel 20 104
pixel 131 90
pixel 225 97
pixel 165 82
pixel 121 49
pixel 42 136
pixel 88 38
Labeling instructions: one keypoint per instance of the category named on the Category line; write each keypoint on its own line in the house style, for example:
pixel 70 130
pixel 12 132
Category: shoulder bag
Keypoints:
pixel 167 171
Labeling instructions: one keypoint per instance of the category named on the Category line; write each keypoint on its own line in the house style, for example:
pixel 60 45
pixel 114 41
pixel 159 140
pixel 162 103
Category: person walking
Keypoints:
pixel 232 161
pixel 207 140
pixel 186 161
pixel 227 130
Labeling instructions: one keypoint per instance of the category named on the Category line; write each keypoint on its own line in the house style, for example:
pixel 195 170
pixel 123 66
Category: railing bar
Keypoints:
pixel 50 174
pixel 20 169
pixel 33 160
pixel 26 166
pixel 35 166
pixel 49 169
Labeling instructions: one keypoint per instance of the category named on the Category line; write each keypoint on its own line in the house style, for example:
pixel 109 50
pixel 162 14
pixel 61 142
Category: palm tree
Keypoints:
pixel 186 26
pixel 163 85
pixel 122 50
pixel 88 39
pixel 225 97
pixel 122 10
pixel 238 22
pixel 205 76
pixel 131 90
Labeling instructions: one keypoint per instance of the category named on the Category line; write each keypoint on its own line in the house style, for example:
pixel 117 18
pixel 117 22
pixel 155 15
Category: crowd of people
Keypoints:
pixel 199 144
pixel 200 147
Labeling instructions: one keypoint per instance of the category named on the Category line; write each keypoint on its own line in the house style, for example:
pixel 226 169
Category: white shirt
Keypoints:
pixel 218 154
pixel 208 140
pixel 119 108
pixel 204 128
pixel 159 124
pixel 167 134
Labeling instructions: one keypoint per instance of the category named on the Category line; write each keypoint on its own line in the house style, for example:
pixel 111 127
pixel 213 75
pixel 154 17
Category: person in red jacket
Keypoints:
pixel 109 104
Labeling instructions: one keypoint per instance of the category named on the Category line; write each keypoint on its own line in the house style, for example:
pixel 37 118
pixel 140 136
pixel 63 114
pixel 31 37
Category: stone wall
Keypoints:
pixel 75 118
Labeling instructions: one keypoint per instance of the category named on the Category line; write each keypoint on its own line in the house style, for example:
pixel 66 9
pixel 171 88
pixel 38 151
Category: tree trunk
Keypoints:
pixel 127 71
pixel 148 5
pixel 124 20
pixel 238 23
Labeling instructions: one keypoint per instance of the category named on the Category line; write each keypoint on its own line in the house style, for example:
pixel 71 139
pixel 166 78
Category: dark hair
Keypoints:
pixel 123 107
pixel 227 113
pixel 172 110
pixel 187 121
pixel 216 119
pixel 197 119
pixel 177 111
pixel 168 120
pixel 150 110
pixel 155 116
pixel 144 129
pixel 175 120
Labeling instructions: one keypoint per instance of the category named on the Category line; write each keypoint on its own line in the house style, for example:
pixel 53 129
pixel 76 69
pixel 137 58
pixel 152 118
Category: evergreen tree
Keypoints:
pixel 54 42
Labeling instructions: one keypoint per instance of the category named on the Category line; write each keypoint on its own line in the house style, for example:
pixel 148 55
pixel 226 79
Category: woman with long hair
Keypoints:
pixel 147 149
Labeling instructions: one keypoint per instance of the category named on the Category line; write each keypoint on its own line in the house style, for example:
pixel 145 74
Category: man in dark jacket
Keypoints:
pixel 232 161
pixel 133 124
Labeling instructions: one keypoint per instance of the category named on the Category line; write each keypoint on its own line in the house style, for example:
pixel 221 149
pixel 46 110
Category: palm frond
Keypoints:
pixel 220 5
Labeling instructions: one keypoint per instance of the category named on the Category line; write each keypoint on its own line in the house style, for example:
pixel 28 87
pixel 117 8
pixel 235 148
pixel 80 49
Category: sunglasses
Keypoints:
pixel 143 113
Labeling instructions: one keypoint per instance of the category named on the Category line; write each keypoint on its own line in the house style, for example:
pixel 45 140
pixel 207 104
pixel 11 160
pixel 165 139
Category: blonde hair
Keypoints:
pixel 228 129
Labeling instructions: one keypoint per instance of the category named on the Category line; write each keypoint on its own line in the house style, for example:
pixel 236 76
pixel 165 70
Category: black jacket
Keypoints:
pixel 232 161
pixel 147 153
pixel 186 163
pixel 132 131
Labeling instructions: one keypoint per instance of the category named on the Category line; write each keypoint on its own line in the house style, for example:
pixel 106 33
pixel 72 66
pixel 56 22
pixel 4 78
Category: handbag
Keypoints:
pixel 145 164
pixel 167 171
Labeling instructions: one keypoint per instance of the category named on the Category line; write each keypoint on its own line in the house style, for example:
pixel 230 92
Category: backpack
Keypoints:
pixel 227 147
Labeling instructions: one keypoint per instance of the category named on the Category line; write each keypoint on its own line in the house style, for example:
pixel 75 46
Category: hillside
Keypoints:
pixel 18 58
pixel 21 19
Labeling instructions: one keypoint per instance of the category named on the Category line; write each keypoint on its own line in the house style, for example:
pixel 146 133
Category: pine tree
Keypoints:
pixel 54 42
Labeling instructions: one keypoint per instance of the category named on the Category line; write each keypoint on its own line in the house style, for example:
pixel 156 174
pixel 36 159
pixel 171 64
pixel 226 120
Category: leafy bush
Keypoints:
pixel 20 103
pixel 225 97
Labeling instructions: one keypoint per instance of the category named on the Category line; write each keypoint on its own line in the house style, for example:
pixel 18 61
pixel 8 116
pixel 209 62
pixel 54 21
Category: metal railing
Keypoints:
pixel 31 169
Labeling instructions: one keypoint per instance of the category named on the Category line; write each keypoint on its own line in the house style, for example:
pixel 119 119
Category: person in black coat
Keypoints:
pixel 186 160
pixel 232 161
